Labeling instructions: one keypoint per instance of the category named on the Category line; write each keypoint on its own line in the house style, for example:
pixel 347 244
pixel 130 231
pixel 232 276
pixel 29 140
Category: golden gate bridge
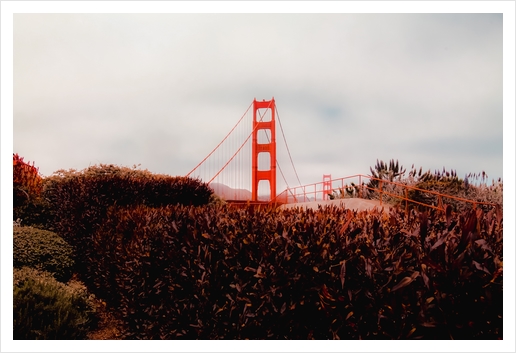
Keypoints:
pixel 244 166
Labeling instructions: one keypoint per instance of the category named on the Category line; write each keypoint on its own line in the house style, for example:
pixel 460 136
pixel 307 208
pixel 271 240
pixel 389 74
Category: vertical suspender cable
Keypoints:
pixel 286 145
pixel 233 156
pixel 277 162
pixel 197 166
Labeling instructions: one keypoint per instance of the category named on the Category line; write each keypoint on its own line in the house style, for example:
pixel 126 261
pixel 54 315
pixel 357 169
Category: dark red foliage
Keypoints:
pixel 27 182
pixel 80 201
pixel 217 272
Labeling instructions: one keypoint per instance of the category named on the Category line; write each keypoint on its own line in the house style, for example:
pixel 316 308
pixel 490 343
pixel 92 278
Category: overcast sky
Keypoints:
pixel 161 90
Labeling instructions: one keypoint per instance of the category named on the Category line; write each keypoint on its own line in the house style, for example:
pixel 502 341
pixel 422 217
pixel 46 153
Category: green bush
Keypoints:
pixel 44 308
pixel 43 250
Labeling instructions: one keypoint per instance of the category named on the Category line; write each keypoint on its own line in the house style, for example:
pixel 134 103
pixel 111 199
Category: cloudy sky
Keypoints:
pixel 161 90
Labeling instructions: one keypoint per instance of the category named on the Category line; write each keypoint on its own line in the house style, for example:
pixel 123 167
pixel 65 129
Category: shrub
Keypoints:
pixel 43 250
pixel 45 309
pixel 35 213
pixel 481 191
pixel 391 171
pixel 26 180
pixel 27 187
pixel 446 183
pixel 80 200
pixel 219 272
pixel 443 182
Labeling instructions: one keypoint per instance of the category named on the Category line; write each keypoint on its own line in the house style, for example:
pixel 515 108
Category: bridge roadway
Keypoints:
pixel 356 204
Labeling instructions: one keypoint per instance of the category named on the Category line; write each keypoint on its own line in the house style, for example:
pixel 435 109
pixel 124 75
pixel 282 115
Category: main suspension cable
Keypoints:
pixel 286 145
pixel 197 166
pixel 247 139
pixel 277 162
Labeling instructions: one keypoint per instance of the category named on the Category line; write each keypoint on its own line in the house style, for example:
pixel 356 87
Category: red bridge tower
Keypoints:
pixel 269 147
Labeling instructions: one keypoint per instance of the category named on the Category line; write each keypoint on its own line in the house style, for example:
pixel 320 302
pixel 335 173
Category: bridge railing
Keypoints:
pixel 314 192
pixel 366 186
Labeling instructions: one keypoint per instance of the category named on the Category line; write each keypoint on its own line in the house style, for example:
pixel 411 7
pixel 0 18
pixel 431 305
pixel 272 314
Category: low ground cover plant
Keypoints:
pixel 44 250
pixel 46 309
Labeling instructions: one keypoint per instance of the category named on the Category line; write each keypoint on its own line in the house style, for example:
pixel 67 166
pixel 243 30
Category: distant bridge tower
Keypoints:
pixel 327 189
pixel 268 147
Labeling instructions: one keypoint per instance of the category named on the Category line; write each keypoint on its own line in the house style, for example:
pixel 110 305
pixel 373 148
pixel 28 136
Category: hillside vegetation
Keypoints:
pixel 422 188
pixel 174 264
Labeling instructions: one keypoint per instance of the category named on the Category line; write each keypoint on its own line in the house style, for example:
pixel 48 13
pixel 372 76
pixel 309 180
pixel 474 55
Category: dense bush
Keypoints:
pixel 35 213
pixel 225 273
pixel 44 308
pixel 80 200
pixel 27 187
pixel 43 250
pixel 447 183
pixel 26 181
pixel 424 186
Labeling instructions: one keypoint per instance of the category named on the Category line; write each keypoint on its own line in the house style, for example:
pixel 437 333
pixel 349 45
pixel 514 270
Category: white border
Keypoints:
pixel 505 7
pixel 256 6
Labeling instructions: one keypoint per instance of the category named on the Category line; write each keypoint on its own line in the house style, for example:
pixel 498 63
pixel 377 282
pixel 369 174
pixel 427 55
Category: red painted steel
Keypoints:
pixel 326 186
pixel 309 192
pixel 221 142
pixel 270 147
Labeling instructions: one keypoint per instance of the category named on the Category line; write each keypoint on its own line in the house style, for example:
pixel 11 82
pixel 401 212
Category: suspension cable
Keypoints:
pixel 286 145
pixel 282 175
pixel 247 139
pixel 277 162
pixel 197 166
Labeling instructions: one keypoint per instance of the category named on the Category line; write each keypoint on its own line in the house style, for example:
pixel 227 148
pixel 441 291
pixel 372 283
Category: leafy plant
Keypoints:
pixel 26 180
pixel 36 213
pixel 44 308
pixel 348 191
pixel 80 200
pixel 481 191
pixel 392 171
pixel 444 182
pixel 27 187
pixel 43 250
pixel 218 272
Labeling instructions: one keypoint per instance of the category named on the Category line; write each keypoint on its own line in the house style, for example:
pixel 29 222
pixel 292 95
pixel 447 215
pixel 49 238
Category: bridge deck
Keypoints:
pixel 356 204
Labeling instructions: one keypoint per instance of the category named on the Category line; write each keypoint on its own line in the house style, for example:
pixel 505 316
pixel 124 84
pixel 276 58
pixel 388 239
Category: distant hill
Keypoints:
pixel 227 193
